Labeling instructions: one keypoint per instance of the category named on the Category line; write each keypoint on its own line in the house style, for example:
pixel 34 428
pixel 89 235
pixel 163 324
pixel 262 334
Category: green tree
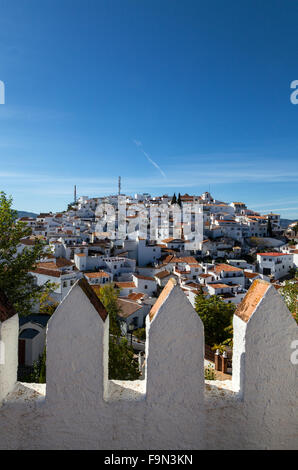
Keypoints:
pixel 140 333
pixel 293 273
pixel 39 369
pixel 216 316
pixel 290 294
pixel 122 364
pixel 72 206
pixel 108 295
pixel 47 306
pixel 15 281
pixel 209 373
pixel 174 199
pixel 179 202
pixel 269 228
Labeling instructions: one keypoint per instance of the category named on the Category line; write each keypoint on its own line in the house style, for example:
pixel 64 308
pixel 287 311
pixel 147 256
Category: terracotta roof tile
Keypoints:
pixel 218 286
pixel 250 275
pixel 128 307
pixel 61 262
pixel 163 274
pixel 47 272
pixel 162 298
pixel 225 267
pixel 126 285
pixel 273 254
pixel 252 299
pixel 145 278
pixel 136 296
pixel 96 275
pixel 87 289
pixel 28 241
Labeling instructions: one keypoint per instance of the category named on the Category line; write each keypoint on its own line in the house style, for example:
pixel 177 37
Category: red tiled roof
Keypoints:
pixel 136 296
pixel 252 299
pixel 218 286
pixel 126 285
pixel 273 254
pixel 47 272
pixel 162 298
pixel 163 274
pixel 128 307
pixel 87 289
pixel 96 275
pixel 61 262
pixel 28 241
pixel 250 275
pixel 225 267
pixel 146 278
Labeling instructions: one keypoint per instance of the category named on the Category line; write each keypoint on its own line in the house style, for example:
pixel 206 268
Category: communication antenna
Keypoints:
pixel 119 185
pixel 75 194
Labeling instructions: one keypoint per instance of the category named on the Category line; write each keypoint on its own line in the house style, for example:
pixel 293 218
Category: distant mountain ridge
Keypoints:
pixel 27 214
pixel 284 223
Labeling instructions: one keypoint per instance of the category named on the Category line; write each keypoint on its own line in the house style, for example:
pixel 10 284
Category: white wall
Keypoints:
pixel 9 334
pixel 171 408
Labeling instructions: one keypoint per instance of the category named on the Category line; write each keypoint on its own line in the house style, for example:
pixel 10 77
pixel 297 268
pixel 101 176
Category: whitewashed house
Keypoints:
pixel 98 278
pixel 144 284
pixel 59 271
pixel 132 313
pixel 162 277
pixel 126 288
pixel 274 264
pixel 227 274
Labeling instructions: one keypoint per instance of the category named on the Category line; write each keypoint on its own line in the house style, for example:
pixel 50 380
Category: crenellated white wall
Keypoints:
pixel 9 334
pixel 173 408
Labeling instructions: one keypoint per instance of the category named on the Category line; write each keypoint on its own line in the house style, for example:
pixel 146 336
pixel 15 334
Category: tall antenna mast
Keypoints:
pixel 119 185
pixel 75 193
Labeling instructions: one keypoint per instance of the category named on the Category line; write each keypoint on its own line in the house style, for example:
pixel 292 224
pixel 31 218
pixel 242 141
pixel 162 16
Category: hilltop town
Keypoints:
pixel 185 393
pixel 236 247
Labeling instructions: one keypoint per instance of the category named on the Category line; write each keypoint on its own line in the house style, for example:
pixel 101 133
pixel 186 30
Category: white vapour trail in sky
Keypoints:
pixel 140 146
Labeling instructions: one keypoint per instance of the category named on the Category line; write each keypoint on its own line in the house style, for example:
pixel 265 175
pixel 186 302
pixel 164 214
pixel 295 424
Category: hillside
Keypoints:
pixel 284 223
pixel 27 214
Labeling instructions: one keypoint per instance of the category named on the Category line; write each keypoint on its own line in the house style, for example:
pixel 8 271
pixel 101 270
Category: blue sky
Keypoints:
pixel 171 95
